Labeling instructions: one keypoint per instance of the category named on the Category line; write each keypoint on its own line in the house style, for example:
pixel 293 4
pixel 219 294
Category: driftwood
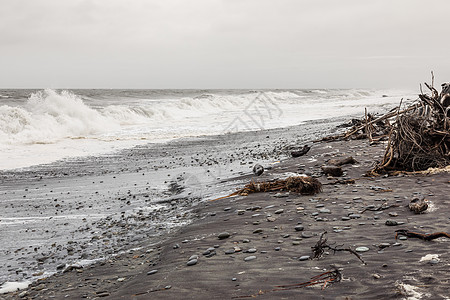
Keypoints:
pixel 323 279
pixel 422 236
pixel 319 248
pixel 304 185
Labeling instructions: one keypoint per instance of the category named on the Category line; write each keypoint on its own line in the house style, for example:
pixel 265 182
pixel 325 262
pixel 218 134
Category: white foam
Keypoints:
pixel 53 125
pixel 13 286
pixel 429 257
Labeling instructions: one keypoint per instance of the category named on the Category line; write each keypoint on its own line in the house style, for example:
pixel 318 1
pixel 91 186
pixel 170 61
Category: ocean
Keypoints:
pixel 88 174
pixel 42 126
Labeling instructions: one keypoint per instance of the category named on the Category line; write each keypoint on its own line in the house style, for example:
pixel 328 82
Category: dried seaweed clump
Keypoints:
pixel 304 185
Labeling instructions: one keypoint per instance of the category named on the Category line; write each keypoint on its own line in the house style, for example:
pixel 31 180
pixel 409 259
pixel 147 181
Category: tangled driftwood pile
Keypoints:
pixel 420 136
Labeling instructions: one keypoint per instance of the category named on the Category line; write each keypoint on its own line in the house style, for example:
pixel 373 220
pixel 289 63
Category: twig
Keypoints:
pixel 321 245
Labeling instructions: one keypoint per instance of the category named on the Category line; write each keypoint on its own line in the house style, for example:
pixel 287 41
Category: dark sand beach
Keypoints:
pixel 270 240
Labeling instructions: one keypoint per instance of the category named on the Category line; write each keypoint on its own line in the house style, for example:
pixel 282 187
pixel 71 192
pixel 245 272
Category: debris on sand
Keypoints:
pixel 304 185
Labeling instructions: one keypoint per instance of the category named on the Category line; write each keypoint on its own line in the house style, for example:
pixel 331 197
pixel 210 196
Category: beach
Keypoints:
pixel 248 246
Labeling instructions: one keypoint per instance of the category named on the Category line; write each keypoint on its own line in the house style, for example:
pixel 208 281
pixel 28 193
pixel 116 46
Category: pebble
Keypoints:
pixel 280 195
pixel 325 211
pixel 376 276
pixel 393 214
pixel 227 208
pixel 279 211
pixel 233 279
pixel 345 218
pixel 354 216
pixel 192 262
pixel 259 230
pixel 402 238
pixel 277 248
pixel 252 250
pixel 229 251
pixel 246 241
pixel 271 219
pixel 304 257
pixel 249 258
pixel 152 272
pixel 384 245
pixel 362 249
pixel 307 235
pixel 391 223
pixel 223 235
pixel 299 228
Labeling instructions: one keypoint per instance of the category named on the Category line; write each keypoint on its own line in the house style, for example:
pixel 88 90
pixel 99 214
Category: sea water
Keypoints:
pixel 42 126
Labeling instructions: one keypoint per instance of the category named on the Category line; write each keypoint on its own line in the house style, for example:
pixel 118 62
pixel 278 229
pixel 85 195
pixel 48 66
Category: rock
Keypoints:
pixel 152 272
pixel 391 223
pixel 102 294
pixel 281 195
pixel 193 257
pixel 259 230
pixel 362 249
pixel 299 228
pixel 384 245
pixel 249 258
pixel 307 235
pixel 344 161
pixel 258 169
pixel 334 171
pixel 192 262
pixel 304 257
pixel 325 211
pixel 345 218
pixel 376 276
pixel 354 216
pixel 418 206
pixel 223 235
pixel 252 250
pixel 279 211
pixel 271 219
pixel 301 152
pixel 23 294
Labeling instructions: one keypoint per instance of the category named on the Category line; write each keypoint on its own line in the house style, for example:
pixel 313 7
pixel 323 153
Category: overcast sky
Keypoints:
pixel 223 43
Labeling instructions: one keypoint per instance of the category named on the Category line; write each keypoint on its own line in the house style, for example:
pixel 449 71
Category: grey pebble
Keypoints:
pixel 299 228
pixel 192 262
pixel 152 272
pixel 304 257
pixel 223 235
pixel 249 258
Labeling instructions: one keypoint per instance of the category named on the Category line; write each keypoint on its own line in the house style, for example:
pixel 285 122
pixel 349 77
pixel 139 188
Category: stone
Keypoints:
pixel 271 219
pixel 362 249
pixel 152 272
pixel 391 223
pixel 384 245
pixel 304 257
pixel 251 250
pixel 345 218
pixel 299 228
pixel 250 258
pixel 192 262
pixel 223 235
pixel 307 235
pixel 325 211
pixel 279 211
pixel 259 230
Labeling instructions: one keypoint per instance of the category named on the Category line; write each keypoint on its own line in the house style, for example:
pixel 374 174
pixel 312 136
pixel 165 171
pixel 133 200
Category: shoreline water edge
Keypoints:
pixel 126 225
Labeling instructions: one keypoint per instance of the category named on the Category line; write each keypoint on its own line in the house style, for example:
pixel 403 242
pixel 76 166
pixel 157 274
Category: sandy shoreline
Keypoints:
pixel 263 227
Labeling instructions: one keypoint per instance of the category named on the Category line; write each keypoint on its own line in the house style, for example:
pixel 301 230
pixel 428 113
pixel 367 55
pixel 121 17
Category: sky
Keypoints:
pixel 223 43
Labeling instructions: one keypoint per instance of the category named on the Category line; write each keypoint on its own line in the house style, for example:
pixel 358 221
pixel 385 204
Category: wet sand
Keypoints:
pixel 271 235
